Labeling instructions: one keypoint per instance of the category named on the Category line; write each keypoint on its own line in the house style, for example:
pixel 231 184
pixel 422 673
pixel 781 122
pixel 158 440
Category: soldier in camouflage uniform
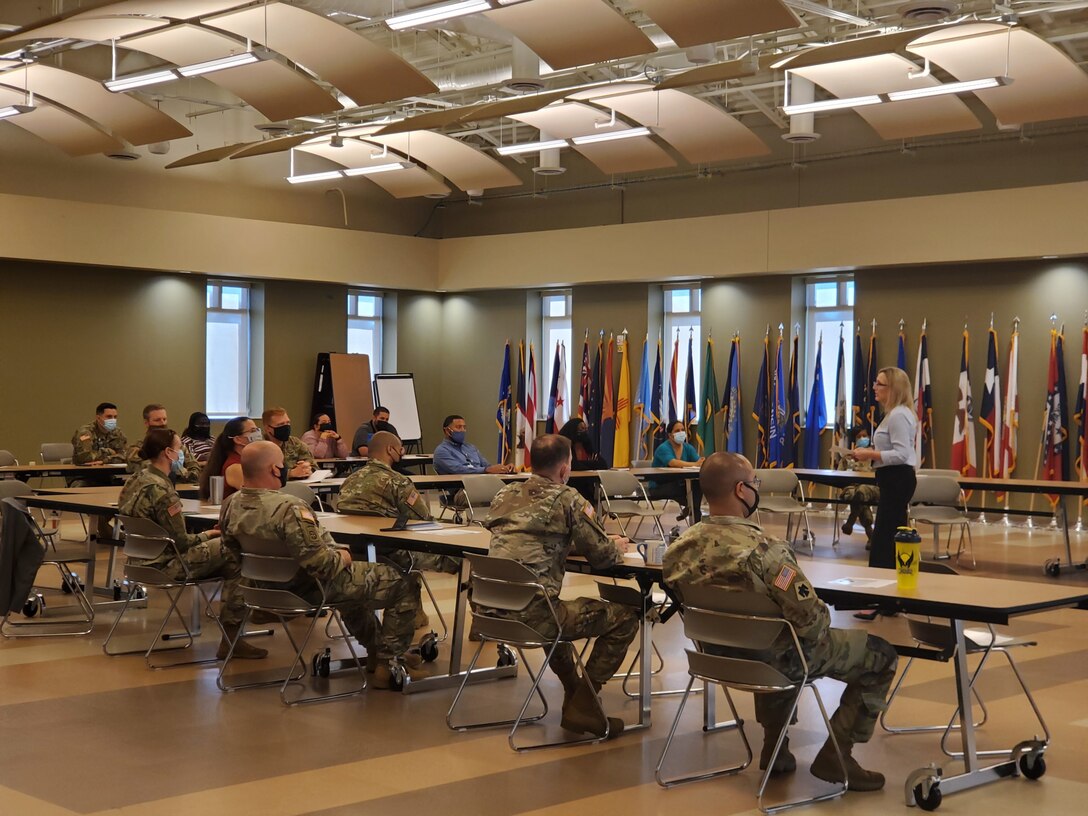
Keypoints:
pixel 150 494
pixel 155 417
pixel 539 523
pixel 860 496
pixel 99 443
pixel 727 550
pixel 358 588
pixel 296 456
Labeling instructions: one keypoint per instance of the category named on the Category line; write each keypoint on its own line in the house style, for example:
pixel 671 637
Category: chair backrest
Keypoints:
pixel 7 458
pixel 14 487
pixel 57 452
pixel 942 490
pixel 266 559
pixel 502 583
pixel 144 538
pixel 777 480
pixel 641 463
pixel 936 567
pixel 481 488
pixel 619 483
pixel 300 490
pixel 950 472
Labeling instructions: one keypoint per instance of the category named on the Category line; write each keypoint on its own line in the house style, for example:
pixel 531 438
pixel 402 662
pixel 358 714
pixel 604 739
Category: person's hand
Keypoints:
pixel 330 435
pixel 622 543
pixel 864 454
pixel 96 462
pixel 301 470
pixel 215 532
pixel 345 558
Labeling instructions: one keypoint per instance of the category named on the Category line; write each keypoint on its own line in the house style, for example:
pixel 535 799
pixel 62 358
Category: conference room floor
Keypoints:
pixel 89 734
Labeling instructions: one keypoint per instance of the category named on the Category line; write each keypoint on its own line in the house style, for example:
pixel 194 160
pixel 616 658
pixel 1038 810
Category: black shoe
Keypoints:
pixel 868 615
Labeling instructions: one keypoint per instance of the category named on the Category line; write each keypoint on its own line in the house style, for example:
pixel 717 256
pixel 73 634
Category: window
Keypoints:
pixel 227 349
pixel 829 304
pixel 555 311
pixel 682 314
pixel 365 327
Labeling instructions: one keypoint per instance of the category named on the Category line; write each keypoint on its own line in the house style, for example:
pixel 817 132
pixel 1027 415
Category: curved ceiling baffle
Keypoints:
pixel 1046 83
pixel 411 181
pixel 707 74
pixel 567 33
pixel 122 19
pixel 572 119
pixel 124 116
pixel 696 22
pixel 209 156
pixel 465 166
pixel 423 121
pixel 58 127
pixel 365 72
pixel 272 88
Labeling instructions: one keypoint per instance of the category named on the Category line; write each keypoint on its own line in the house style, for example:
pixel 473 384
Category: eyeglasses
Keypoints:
pixel 882 385
pixel 754 483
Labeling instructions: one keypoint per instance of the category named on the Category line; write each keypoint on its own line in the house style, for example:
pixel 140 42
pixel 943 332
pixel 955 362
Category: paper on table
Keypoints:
pixel 839 450
pixel 318 476
pixel 867 583
pixel 450 529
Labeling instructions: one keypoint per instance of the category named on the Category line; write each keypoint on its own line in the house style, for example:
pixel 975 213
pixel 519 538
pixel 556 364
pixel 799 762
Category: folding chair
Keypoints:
pixel 623 498
pixel 266 563
pixel 56 453
pixel 303 491
pixel 33 549
pixel 480 490
pixel 939 500
pixel 632 597
pixel 144 540
pixel 504 584
pixel 7 458
pixel 781 492
pixel 13 488
pixel 938 635
pixel 746 625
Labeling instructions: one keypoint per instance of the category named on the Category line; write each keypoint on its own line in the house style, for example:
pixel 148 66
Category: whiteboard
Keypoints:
pixel 397 392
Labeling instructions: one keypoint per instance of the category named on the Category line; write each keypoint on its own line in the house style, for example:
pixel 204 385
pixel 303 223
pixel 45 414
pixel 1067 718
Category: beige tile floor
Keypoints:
pixel 89 734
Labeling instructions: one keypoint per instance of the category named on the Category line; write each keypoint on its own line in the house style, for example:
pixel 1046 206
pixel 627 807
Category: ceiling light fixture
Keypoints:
pixel 376 168
pixel 8 111
pixel 434 14
pixel 833 104
pixel 127 83
pixel 612 136
pixel 222 63
pixel 530 147
pixel 949 88
pixel 327 175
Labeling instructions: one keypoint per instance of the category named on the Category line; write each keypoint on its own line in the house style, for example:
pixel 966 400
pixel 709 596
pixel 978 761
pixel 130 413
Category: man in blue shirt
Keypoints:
pixel 455 455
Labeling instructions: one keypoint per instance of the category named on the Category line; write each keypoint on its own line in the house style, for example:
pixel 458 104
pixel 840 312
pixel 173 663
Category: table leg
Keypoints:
pixel 1055 566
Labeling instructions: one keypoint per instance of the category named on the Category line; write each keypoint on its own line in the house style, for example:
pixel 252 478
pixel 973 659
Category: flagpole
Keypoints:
pixel 1004 473
pixel 1046 414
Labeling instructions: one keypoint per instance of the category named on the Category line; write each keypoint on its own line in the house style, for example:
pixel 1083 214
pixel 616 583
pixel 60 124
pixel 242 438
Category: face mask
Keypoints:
pixel 253 436
pixel 680 437
pixel 282 433
pixel 457 437
pixel 202 431
pixel 283 475
pixel 178 465
pixel 863 442
pixel 109 424
pixel 749 509
pixel 325 426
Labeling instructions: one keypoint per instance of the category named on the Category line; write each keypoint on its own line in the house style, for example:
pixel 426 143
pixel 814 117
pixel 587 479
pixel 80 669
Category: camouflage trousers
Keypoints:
pixel 861 498
pixel 868 669
pixel 364 587
pixel 210 559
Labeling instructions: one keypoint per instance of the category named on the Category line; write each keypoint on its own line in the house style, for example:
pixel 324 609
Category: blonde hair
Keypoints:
pixel 899 389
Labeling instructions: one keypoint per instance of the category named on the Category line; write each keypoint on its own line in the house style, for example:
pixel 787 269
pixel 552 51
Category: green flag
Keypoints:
pixel 710 403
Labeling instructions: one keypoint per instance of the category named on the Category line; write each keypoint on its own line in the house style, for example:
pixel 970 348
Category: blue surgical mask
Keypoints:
pixel 457 437
pixel 863 442
pixel 680 437
pixel 110 424
pixel 178 465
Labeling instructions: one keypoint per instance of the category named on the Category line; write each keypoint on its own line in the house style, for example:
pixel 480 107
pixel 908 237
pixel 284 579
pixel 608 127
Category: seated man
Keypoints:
pixel 296 456
pixel 361 441
pixel 260 509
pixel 539 523
pixel 725 549
pixel 99 443
pixel 155 417
pixel 861 496
pixel 455 455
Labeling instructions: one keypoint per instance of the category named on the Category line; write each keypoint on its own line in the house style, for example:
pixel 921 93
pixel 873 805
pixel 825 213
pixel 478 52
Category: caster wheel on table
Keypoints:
pixel 428 648
pixel 506 657
pixel 1052 567
pixel 1032 766
pixel 930 802
pixel 321 663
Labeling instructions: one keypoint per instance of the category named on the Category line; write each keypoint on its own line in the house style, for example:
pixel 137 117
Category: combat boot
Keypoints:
pixel 785 762
pixel 848 525
pixel 242 650
pixel 383 676
pixel 826 767
pixel 422 621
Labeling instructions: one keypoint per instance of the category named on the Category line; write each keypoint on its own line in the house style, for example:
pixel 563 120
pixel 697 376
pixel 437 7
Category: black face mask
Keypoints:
pixel 749 509
pixel 202 431
pixel 283 475
pixel 325 426
pixel 282 433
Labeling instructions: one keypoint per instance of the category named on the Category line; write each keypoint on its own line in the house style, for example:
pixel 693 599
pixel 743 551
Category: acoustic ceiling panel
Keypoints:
pixel 425 121
pixel 122 115
pixel 58 127
pixel 620 156
pixel 414 181
pixel 706 74
pixel 275 90
pixel 364 71
pixel 123 19
pixel 694 22
pixel 174 9
pixel 700 131
pixel 209 156
pixel 465 166
pixel 269 146
pixel 893 120
pixel 508 107
pixel 855 49
pixel 566 33
pixel 1046 83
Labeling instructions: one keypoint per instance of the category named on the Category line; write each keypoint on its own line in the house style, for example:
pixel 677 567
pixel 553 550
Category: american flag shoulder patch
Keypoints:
pixel 785 577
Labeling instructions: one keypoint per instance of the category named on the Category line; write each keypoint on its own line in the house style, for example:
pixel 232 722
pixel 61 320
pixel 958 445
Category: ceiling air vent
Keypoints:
pixel 273 128
pixel 927 11
pixel 123 155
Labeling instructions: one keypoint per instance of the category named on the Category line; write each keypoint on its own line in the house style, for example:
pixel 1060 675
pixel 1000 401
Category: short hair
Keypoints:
pixel 383 440
pixel 548 452
pixel 318 415
pixel 382 425
pixel 266 417
pixel 674 423
pixel 899 390
pixel 103 407
pixel 720 473
pixel 380 409
pixel 153 407
pixel 449 420
pixel 156 441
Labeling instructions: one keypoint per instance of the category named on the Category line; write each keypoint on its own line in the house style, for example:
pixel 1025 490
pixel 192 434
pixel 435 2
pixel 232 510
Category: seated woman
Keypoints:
pixel 323 440
pixel 198 436
pixel 860 496
pixel 583 456
pixel 226 457
pixel 677 452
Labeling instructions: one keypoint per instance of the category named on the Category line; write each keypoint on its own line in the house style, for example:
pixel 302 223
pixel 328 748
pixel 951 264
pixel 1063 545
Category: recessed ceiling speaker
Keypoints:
pixel 524 69
pixel 549 162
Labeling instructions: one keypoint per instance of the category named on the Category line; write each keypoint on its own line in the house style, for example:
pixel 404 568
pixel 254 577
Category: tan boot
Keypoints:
pixel 242 650
pixel 826 767
pixel 784 763
pixel 383 675
pixel 422 621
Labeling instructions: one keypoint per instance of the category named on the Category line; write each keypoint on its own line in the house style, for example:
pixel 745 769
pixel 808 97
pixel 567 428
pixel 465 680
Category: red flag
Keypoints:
pixel 963 432
pixel 530 407
pixel 585 382
pixel 1011 423
pixel 1055 461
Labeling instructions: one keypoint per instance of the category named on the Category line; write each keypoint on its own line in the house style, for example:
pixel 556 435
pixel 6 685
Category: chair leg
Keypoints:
pixel 494 723
pixel 42 628
pixel 668 782
pixel 919 729
pixel 220 681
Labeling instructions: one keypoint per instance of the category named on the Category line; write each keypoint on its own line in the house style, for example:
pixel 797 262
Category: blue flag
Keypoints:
pixel 858 408
pixel 761 409
pixel 502 413
pixel 691 407
pixel 643 406
pixel 733 432
pixel 817 412
pixel 792 443
pixel 901 356
pixel 596 394
pixel 873 414
pixel 776 444
pixel 656 417
pixel 553 394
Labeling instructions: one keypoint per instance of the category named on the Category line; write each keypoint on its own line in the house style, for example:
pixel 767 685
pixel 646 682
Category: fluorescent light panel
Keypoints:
pixel 612 136
pixel 530 147
pixel 433 14
pixel 328 175
pixel 376 168
pixel 833 104
pixel 949 88
pixel 127 83
pixel 233 61
pixel 8 111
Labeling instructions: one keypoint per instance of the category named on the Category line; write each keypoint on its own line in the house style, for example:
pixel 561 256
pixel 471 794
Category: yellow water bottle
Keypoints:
pixel 908 558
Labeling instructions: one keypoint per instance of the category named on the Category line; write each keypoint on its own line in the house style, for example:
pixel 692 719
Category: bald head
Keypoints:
pixel 261 463
pixel 722 479
pixel 385 447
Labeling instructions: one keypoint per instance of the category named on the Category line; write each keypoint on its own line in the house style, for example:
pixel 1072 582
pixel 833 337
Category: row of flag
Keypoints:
pixel 780 439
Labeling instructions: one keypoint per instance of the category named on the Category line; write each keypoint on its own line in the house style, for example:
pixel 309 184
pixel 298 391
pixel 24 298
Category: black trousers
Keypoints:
pixel 896 483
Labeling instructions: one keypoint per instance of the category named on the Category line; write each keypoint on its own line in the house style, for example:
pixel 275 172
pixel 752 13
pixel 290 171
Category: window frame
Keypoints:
pixel 217 313
pixel 375 323
pixel 841 312
pixel 564 325
pixel 691 321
